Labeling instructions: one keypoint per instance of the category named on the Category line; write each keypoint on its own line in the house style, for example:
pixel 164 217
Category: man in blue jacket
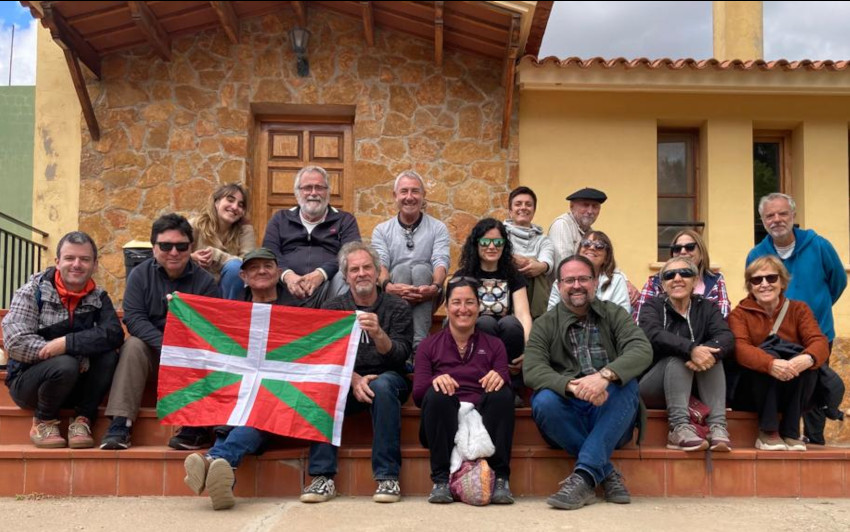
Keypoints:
pixel 817 274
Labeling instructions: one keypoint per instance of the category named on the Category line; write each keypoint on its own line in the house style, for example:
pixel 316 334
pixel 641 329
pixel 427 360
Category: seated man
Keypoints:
pixel 214 471
pixel 62 336
pixel 378 381
pixel 145 308
pixel 583 359
pixel 307 238
pixel 414 252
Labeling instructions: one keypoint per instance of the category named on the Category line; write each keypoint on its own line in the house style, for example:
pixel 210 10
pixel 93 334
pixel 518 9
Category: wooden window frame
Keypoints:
pixel 691 137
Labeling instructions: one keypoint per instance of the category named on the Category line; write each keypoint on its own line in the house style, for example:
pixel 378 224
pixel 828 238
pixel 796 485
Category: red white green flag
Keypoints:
pixel 281 369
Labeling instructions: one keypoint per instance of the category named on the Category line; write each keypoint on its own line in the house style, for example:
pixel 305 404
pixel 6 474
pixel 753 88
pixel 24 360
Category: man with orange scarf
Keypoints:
pixel 62 336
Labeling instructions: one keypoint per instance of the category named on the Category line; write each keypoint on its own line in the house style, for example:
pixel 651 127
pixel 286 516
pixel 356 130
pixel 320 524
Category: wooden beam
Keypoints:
pixel 82 93
pixel 438 33
pixel 300 12
pixel 229 20
pixel 152 29
pixel 69 39
pixel 368 22
pixel 509 97
pixel 512 47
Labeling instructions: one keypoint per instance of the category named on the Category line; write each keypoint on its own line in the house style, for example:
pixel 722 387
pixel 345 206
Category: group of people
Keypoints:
pixel 546 320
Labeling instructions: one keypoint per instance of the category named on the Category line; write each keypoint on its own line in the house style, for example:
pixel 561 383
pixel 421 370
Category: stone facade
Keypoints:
pixel 171 132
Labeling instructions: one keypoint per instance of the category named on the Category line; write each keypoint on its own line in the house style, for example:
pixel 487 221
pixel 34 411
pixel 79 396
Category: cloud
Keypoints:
pixel 23 55
pixel 810 30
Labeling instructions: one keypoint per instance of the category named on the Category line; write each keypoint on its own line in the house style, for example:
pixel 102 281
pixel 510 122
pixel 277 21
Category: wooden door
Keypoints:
pixel 284 147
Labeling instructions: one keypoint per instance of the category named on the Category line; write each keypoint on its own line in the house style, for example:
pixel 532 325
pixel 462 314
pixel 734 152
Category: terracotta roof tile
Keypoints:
pixel 692 64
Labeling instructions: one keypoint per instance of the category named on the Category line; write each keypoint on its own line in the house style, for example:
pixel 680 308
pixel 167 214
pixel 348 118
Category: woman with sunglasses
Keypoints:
pixel 710 285
pixel 487 257
pixel 775 384
pixel 689 340
pixel 462 363
pixel 223 236
pixel 613 285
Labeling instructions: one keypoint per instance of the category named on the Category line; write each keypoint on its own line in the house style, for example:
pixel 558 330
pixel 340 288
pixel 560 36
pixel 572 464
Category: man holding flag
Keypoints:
pixel 378 381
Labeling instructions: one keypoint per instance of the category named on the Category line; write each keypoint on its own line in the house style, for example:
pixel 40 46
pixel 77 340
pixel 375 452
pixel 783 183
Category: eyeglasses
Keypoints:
pixel 182 247
pixel 595 244
pixel 408 236
pixel 582 279
pixel 757 279
pixel 684 273
pixel 312 188
pixel 485 242
pixel 677 248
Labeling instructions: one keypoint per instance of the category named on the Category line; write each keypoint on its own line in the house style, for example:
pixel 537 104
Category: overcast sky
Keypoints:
pixel 792 30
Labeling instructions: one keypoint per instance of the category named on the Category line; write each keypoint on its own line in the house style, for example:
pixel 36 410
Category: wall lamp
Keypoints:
pixel 300 37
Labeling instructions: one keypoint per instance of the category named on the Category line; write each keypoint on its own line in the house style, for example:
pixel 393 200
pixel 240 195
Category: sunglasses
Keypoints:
pixel 677 248
pixel 408 237
pixel 595 244
pixel 168 246
pixel 461 278
pixel 757 279
pixel 684 273
pixel 485 242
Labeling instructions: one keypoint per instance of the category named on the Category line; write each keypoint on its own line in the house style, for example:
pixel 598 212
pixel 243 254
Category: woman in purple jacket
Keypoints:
pixel 462 364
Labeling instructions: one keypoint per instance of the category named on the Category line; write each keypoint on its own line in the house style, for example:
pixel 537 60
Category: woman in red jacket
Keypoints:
pixel 779 385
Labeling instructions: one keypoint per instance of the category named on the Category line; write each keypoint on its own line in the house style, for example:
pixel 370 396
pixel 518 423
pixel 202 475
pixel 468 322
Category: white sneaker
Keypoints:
pixel 320 490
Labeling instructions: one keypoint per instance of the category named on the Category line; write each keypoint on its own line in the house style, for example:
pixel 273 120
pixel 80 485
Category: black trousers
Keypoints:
pixel 439 425
pixel 57 383
pixel 773 397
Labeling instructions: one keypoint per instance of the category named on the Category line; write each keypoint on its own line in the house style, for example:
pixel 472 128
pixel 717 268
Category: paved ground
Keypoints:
pixel 352 514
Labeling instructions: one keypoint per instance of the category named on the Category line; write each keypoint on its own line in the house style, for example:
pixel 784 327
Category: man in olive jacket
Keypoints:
pixel 583 359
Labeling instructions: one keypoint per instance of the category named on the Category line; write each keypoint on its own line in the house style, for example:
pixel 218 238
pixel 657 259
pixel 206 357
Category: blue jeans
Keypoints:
pixel 231 284
pixel 590 433
pixel 391 390
pixel 237 443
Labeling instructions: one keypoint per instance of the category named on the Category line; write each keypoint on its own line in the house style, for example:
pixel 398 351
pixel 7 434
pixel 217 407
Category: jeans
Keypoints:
pixel 590 433
pixel 668 384
pixel 238 442
pixel 417 274
pixel 231 284
pixel 57 382
pixel 773 397
pixel 391 390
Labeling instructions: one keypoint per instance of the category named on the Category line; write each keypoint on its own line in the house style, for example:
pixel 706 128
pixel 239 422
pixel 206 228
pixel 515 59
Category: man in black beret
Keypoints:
pixel 568 229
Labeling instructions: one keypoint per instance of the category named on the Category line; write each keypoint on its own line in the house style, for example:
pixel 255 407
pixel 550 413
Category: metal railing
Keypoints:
pixel 20 257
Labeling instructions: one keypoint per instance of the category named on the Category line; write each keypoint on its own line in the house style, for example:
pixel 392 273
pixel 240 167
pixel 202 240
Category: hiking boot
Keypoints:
pixel 441 494
pixel 45 434
pixel 718 436
pixel 502 492
pixel 574 494
pixel 793 444
pixel 320 490
pixel 770 441
pixel 196 465
pixel 117 436
pixel 220 480
pixel 388 491
pixel 683 437
pixel 79 434
pixel 614 487
pixel 190 439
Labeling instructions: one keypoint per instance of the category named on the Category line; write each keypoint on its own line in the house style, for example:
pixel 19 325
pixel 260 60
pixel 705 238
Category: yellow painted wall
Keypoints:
pixel 738 30
pixel 572 139
pixel 56 158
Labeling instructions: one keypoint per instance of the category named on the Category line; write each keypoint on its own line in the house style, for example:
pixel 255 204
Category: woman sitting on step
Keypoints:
pixel 689 341
pixel 779 379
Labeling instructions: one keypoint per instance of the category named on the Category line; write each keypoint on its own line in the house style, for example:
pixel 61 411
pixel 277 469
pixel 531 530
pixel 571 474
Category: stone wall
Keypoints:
pixel 173 131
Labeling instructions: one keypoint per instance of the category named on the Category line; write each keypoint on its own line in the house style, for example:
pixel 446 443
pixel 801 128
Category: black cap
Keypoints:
pixel 588 194
pixel 259 253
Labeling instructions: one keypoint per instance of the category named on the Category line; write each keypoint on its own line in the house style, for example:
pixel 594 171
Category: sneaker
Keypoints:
pixel 196 465
pixel 574 494
pixel 117 436
pixel 45 434
pixel 683 437
pixel 79 434
pixel 614 487
pixel 190 439
pixel 719 438
pixel 388 491
pixel 770 441
pixel 220 480
pixel 441 494
pixel 793 444
pixel 320 490
pixel 502 492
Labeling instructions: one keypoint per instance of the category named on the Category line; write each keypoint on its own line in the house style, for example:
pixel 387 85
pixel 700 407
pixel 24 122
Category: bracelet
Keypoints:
pixel 384 284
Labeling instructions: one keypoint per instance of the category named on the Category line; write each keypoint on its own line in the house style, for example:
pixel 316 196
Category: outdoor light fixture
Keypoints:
pixel 300 37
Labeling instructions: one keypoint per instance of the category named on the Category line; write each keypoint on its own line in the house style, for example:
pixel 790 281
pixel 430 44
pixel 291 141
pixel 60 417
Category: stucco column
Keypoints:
pixel 738 30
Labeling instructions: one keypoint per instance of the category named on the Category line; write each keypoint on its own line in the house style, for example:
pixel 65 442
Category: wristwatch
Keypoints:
pixel 608 375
